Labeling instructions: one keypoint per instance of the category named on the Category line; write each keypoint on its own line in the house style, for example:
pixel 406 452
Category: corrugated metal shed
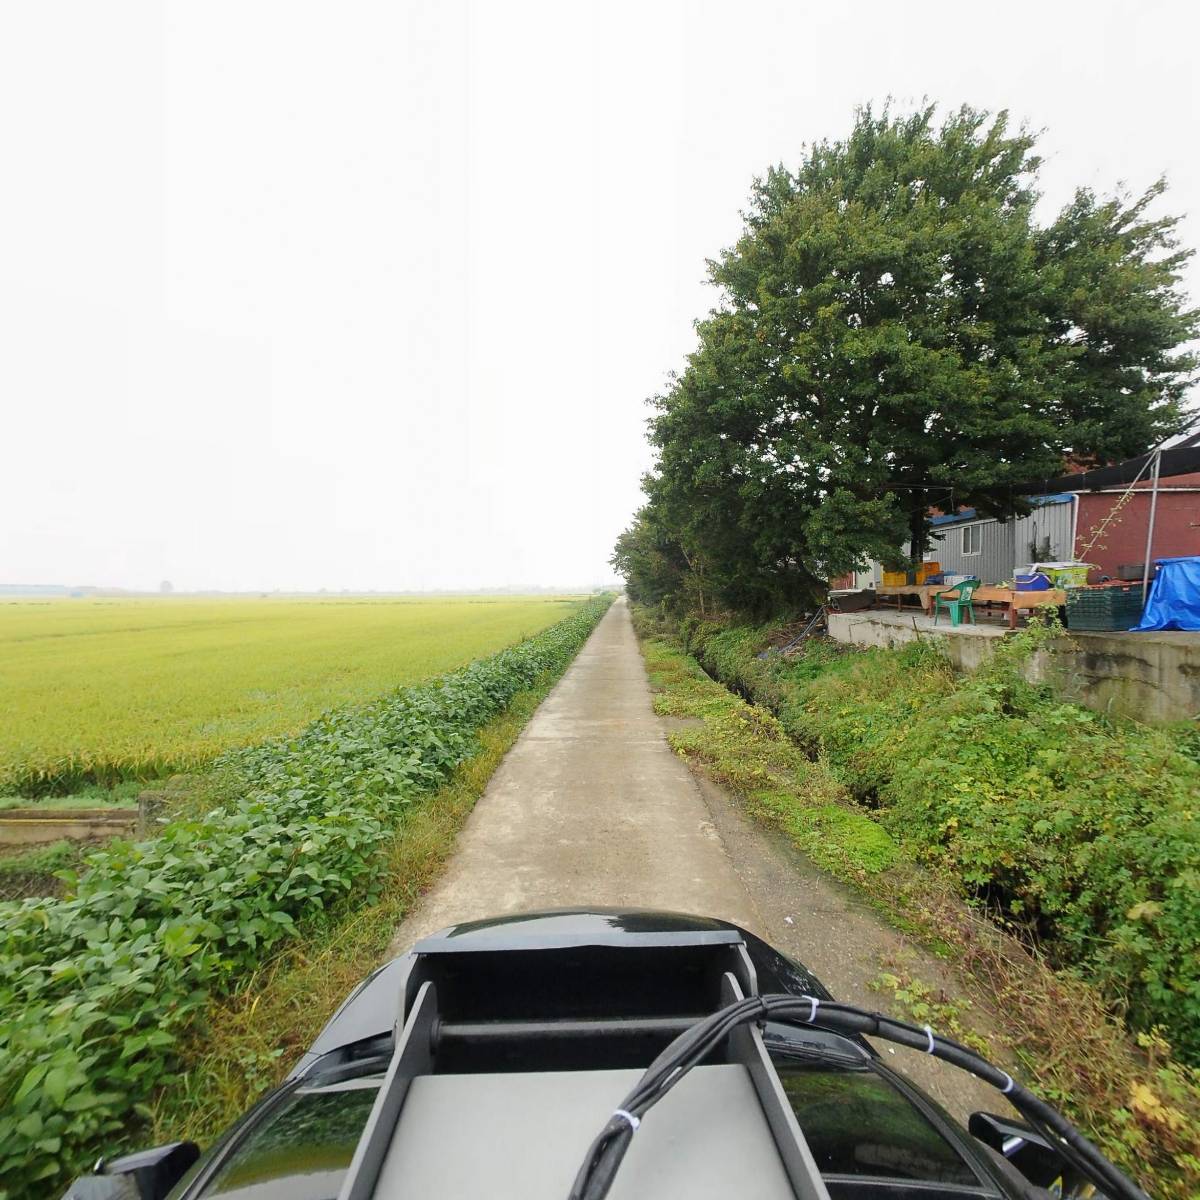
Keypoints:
pixel 990 549
pixel 1053 522
pixel 975 547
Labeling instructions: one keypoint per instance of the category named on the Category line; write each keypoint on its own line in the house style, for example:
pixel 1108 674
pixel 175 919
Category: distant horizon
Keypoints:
pixel 402 327
pixel 78 590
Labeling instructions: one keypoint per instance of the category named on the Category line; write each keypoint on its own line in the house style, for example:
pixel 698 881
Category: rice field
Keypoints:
pixel 104 690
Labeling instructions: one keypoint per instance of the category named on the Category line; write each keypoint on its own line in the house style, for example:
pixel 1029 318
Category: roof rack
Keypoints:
pixel 505 1106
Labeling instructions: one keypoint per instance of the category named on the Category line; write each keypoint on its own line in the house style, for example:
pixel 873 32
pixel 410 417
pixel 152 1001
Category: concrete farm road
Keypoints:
pixel 591 806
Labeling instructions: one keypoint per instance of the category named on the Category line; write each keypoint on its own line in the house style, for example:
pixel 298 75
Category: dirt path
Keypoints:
pixel 592 807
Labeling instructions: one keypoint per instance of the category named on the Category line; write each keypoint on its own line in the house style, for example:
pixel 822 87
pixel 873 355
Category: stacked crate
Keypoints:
pixel 1105 608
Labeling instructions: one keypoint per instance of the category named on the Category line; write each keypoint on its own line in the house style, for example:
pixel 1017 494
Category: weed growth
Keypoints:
pixel 1043 813
pixel 924 1004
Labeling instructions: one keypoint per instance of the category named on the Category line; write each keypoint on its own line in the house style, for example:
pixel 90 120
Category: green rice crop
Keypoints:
pixel 103 690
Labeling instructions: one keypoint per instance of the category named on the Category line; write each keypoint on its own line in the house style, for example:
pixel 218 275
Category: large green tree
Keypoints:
pixel 896 331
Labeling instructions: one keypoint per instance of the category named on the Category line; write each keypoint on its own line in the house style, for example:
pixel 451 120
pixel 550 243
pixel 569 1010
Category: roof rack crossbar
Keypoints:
pixel 481 1032
pixel 423 1032
pixel 413 1056
pixel 746 1047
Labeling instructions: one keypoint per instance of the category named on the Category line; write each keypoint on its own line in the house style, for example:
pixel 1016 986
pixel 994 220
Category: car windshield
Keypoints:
pixel 857 1124
pixel 302 1150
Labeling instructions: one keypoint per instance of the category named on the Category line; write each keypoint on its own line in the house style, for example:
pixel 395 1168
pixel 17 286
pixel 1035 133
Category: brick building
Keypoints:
pixel 1123 542
pixel 1070 512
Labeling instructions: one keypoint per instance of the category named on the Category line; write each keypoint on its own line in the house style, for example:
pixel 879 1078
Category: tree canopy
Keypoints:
pixel 895 331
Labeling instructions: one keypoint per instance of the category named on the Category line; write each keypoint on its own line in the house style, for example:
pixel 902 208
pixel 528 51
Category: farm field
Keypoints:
pixel 100 690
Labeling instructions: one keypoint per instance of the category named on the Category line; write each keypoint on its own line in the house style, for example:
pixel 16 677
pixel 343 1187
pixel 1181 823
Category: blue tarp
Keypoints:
pixel 1174 599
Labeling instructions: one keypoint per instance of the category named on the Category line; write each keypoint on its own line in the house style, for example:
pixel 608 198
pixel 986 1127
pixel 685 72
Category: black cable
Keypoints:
pixel 606 1152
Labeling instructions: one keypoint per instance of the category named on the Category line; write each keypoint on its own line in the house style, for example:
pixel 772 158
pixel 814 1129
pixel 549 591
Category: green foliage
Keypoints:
pixel 655 565
pixel 746 748
pixel 232 1055
pixel 97 988
pixel 871 720
pixel 1083 831
pixel 894 328
pixel 1083 834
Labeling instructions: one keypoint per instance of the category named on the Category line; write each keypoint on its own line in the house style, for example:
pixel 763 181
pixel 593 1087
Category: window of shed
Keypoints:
pixel 972 539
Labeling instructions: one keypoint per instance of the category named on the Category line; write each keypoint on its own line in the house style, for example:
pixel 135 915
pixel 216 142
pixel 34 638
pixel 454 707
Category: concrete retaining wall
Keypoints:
pixel 31 826
pixel 1147 676
pixel 968 647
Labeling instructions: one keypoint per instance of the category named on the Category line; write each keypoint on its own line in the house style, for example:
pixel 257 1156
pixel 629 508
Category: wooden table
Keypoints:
pixel 1015 601
pixel 1012 600
pixel 923 592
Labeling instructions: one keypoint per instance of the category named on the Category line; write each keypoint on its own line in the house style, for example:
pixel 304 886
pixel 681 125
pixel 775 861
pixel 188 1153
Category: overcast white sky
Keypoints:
pixel 371 295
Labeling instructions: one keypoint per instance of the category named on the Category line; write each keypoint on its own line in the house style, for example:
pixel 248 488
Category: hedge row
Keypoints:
pixel 1080 831
pixel 96 988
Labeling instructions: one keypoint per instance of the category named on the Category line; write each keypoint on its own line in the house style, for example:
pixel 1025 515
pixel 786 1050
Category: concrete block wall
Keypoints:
pixel 1147 676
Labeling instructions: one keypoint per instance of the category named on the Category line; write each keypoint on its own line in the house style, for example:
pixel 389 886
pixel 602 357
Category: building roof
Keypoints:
pixel 969 514
pixel 1183 458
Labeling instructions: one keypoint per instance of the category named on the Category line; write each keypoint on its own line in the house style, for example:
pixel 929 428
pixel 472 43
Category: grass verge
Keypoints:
pixel 747 749
pixel 248 1040
pixel 32 870
pixel 1139 1105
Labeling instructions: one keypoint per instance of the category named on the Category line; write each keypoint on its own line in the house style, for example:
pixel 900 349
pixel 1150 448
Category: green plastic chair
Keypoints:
pixel 956 606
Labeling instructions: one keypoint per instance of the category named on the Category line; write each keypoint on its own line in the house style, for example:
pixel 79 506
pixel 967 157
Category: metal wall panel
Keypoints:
pixel 1006 546
pixel 1053 521
pixel 993 563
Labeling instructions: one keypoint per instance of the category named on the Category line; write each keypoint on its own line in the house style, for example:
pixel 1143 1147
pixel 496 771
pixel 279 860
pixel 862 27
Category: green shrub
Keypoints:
pixel 96 988
pixel 1083 832
pixel 850 713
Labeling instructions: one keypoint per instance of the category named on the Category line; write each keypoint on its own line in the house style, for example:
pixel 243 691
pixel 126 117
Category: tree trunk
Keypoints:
pixel 916 534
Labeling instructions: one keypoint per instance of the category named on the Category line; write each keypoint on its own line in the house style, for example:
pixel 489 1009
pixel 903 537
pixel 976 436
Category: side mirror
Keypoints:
pixel 1036 1159
pixel 146 1175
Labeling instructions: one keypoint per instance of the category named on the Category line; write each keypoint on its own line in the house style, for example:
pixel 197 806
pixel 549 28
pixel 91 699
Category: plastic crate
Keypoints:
pixel 926 569
pixel 894 578
pixel 1065 574
pixel 1072 577
pixel 1104 609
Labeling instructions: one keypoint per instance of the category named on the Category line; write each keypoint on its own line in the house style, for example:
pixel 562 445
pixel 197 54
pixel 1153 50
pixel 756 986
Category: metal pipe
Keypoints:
pixel 504 1031
pixel 1150 523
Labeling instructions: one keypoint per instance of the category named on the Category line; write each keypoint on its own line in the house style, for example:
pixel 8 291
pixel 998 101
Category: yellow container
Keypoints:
pixel 926 569
pixel 894 578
